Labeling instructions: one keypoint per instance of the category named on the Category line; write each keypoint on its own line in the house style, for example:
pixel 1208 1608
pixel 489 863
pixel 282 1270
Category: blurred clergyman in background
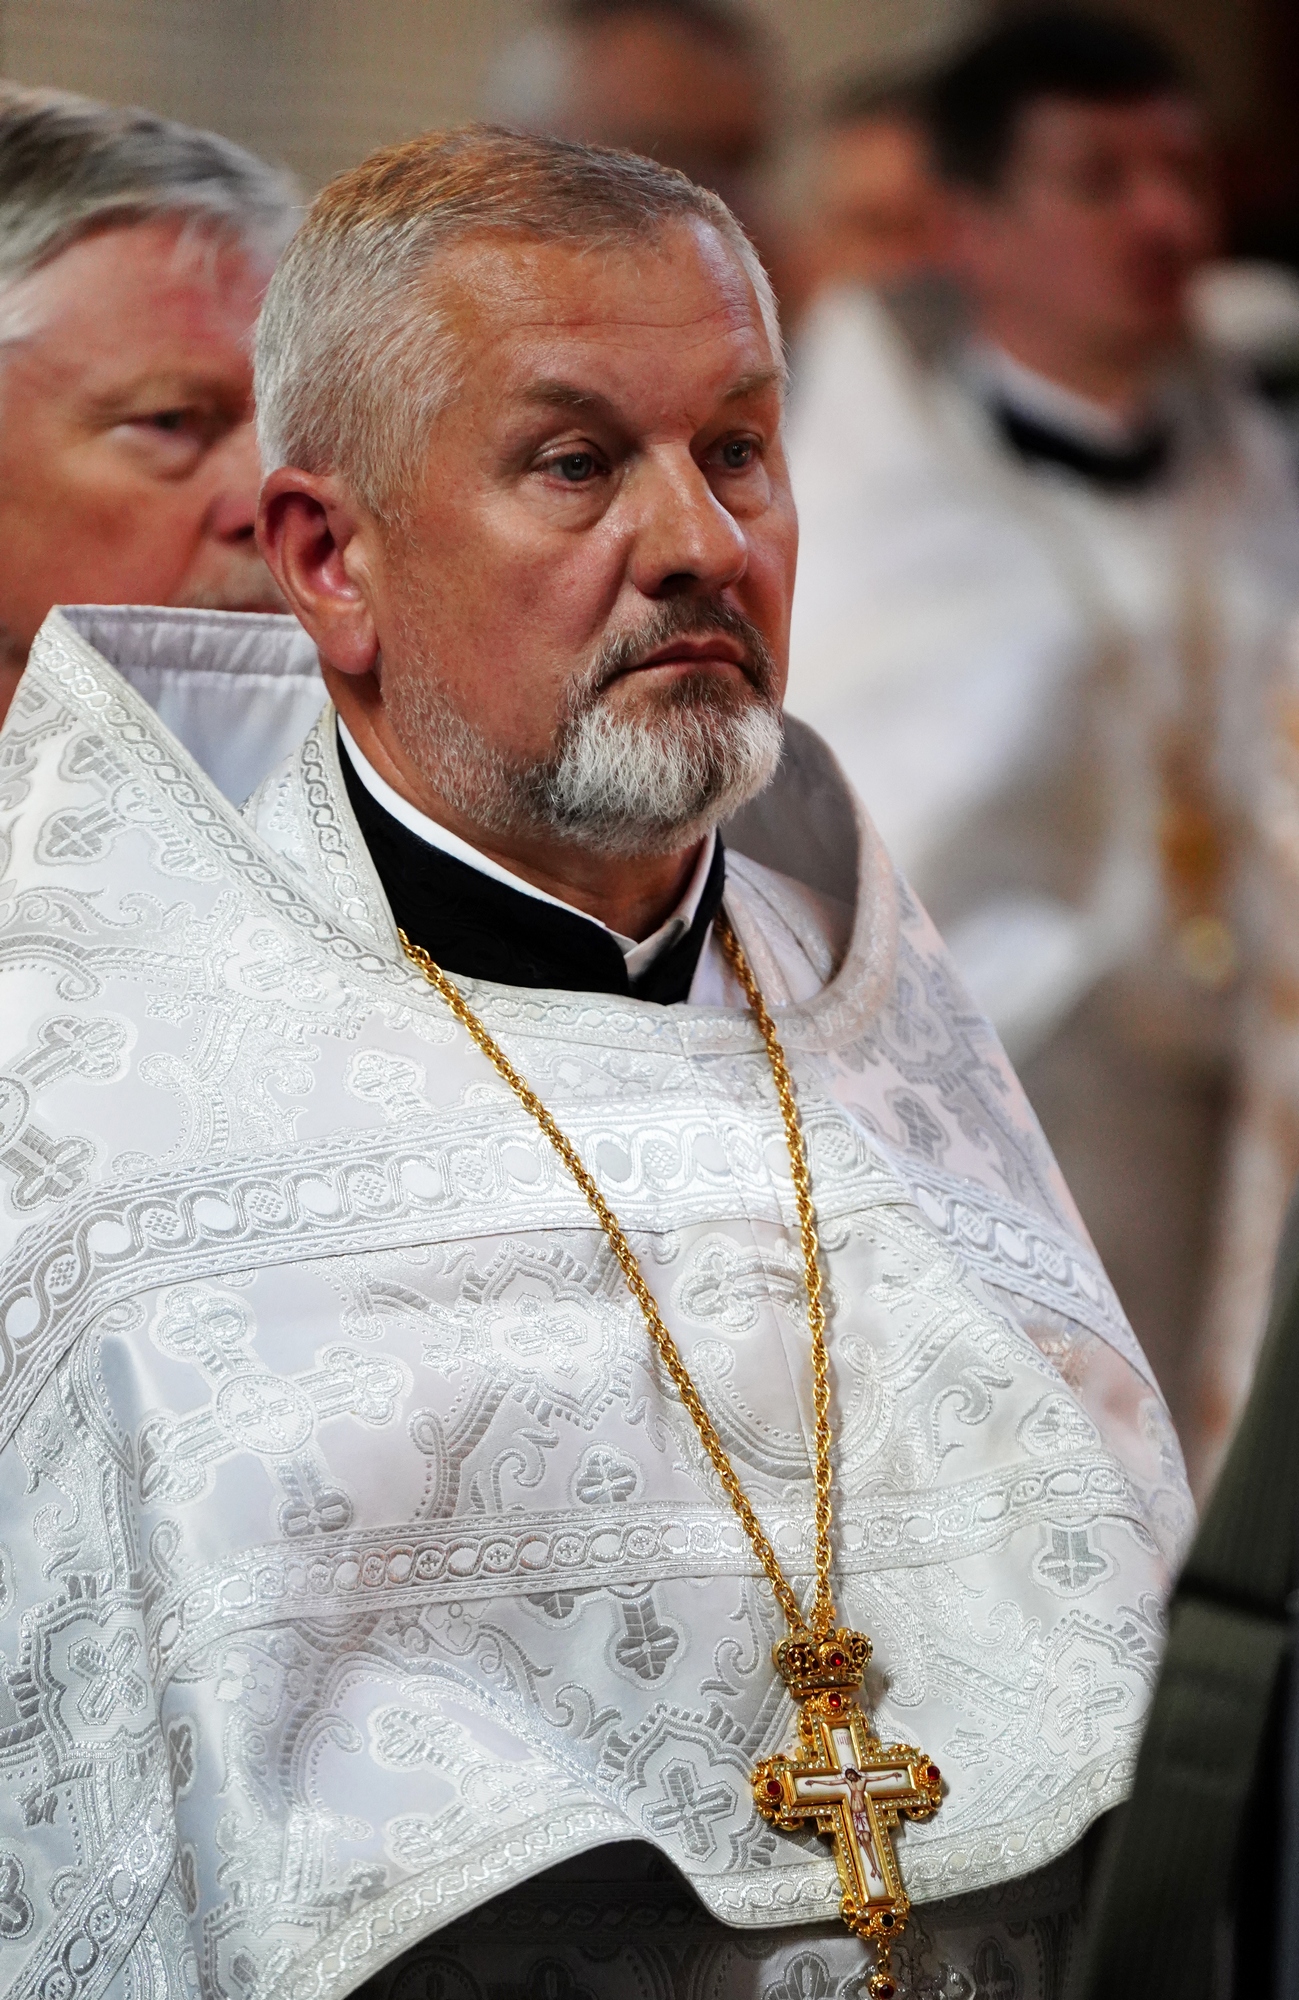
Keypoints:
pixel 683 81
pixel 872 207
pixel 690 83
pixel 1042 595
pixel 133 256
pixel 871 247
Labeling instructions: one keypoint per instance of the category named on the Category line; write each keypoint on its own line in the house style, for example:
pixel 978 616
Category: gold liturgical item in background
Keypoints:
pixel 840 1779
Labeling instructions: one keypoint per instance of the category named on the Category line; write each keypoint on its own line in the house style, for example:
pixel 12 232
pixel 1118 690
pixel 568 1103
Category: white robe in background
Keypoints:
pixel 997 653
pixel 359 1564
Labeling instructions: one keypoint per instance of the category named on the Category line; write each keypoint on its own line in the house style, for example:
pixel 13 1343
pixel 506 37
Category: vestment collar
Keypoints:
pixel 478 920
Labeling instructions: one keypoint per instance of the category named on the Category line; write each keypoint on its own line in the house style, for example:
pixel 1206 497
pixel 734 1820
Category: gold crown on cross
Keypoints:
pixel 809 1666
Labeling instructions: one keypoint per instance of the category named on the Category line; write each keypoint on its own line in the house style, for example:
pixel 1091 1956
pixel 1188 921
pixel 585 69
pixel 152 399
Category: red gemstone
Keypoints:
pixel 933 1773
pixel 836 1659
pixel 882 1987
pixel 775 1790
pixel 834 1701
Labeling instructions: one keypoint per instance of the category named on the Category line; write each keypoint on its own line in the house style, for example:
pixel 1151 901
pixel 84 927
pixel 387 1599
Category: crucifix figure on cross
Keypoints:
pixel 848 1785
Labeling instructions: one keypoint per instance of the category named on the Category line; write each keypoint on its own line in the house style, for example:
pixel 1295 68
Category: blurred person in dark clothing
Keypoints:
pixel 1045 589
pixel 133 256
pixel 1194 1891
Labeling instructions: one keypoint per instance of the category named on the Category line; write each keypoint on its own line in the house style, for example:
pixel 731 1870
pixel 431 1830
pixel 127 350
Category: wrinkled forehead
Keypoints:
pixel 151 277
pixel 679 298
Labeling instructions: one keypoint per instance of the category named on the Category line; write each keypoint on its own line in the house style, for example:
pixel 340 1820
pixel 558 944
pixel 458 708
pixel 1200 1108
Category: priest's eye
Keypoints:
pixel 575 467
pixel 738 454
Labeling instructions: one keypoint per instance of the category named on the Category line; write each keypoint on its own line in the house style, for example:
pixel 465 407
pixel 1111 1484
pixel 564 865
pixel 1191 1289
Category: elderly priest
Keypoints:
pixel 522 1265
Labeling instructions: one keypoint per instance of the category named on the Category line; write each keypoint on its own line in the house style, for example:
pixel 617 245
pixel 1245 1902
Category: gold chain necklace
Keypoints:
pixel 841 1778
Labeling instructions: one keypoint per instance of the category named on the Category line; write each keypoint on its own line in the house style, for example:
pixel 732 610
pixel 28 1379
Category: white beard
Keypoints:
pixel 620 784
pixel 629 785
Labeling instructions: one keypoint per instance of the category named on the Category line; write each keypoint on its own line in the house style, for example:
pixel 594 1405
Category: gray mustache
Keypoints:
pixel 682 619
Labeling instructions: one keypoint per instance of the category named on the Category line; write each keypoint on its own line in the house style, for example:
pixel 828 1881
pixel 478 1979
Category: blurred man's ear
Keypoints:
pixel 319 546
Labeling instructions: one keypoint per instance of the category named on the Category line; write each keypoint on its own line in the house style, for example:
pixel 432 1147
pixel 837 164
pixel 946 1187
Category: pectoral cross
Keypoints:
pixel 849 1786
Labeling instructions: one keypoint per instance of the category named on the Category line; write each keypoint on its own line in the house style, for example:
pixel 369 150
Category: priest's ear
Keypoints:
pixel 321 548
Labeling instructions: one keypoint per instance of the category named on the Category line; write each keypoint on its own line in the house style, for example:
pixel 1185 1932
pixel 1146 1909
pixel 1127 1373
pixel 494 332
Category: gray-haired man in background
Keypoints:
pixel 133 256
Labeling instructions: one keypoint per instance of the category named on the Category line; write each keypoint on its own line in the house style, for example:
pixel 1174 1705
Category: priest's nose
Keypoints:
pixel 684 538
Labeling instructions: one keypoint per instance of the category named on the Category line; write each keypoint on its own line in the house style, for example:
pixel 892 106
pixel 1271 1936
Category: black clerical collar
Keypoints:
pixel 475 925
pixel 1117 468
pixel 1045 424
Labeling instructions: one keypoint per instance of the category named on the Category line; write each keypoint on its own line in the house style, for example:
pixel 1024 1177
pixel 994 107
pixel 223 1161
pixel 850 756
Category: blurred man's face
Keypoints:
pixel 880 208
pixel 657 86
pixel 586 610
pixel 1104 213
pixel 128 468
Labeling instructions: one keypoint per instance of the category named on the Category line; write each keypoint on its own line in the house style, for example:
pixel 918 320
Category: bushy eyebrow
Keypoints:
pixel 554 394
pixel 754 384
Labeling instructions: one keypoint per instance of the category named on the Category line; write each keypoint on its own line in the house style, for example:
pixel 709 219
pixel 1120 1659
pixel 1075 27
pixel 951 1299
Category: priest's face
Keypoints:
pixel 578 626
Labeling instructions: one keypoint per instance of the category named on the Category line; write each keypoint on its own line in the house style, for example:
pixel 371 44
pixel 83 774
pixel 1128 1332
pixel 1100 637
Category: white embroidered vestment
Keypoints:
pixel 358 1562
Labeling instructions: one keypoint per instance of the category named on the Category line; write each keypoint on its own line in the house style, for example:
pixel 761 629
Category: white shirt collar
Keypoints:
pixel 637 954
pixel 1038 397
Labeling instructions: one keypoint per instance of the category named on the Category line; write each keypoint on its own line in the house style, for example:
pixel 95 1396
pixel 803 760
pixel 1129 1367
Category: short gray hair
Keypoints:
pixel 353 364
pixel 70 166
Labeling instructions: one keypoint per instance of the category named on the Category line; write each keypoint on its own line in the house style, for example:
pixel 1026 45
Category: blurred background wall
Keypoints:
pixel 317 83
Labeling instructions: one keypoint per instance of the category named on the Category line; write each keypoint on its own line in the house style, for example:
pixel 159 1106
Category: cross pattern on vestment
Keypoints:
pixel 687 1810
pixel 854 1790
pixel 47 1168
pixel 276 1416
pixel 112 1681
